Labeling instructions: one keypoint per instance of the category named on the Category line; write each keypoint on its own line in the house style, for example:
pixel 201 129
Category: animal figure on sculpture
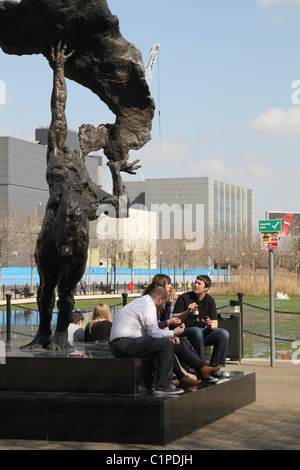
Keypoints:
pixel 62 245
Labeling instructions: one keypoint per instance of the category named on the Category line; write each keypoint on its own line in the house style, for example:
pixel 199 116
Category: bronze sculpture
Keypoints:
pixel 62 245
pixel 112 68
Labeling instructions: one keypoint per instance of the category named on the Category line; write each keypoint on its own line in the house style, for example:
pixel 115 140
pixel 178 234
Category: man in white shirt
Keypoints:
pixel 135 333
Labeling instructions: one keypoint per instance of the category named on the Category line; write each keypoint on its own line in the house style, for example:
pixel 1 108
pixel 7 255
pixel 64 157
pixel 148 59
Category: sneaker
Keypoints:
pixel 169 390
pixel 143 388
pixel 211 380
pixel 207 371
pixel 221 374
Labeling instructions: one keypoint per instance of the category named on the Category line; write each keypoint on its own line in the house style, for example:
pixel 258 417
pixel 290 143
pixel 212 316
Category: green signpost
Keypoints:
pixel 269 225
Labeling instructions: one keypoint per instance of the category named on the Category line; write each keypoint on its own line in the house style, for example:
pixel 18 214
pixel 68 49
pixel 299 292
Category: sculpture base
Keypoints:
pixel 79 415
pixel 90 368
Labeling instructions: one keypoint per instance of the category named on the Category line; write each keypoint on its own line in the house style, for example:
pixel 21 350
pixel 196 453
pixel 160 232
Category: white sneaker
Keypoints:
pixel 169 390
pixel 211 380
pixel 221 374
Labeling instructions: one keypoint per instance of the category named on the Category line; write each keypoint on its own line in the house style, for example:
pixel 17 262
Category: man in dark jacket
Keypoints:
pixel 197 310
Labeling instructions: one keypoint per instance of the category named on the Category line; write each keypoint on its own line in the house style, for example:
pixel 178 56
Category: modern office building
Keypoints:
pixel 23 172
pixel 196 207
pixel 23 186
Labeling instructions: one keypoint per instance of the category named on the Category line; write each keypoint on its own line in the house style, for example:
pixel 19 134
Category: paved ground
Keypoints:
pixel 271 423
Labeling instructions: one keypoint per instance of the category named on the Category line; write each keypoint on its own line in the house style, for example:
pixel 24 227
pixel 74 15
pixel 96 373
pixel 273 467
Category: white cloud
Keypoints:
pixel 280 11
pixel 276 121
pixel 277 3
pixel 245 175
pixel 274 188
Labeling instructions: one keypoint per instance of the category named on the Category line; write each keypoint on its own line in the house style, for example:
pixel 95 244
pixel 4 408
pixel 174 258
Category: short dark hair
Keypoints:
pixel 158 291
pixel 151 286
pixel 206 279
pixel 76 317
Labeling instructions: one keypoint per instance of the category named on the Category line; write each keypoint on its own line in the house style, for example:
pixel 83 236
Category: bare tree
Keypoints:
pixel 93 249
pixel 150 253
pixel 166 253
pixel 114 249
pixel 30 230
pixel 130 248
pixel 10 228
pixel 183 257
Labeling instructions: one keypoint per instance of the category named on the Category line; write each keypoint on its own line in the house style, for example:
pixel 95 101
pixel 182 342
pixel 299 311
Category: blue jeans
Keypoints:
pixel 201 337
pixel 147 347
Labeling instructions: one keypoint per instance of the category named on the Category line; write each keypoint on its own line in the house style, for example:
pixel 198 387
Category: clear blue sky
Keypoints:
pixel 223 85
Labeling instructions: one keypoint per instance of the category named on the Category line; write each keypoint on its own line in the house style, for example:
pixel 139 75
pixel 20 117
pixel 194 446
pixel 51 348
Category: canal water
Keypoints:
pixel 24 324
pixel 24 317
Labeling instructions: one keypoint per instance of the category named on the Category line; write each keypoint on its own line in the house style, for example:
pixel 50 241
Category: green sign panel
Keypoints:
pixel 269 225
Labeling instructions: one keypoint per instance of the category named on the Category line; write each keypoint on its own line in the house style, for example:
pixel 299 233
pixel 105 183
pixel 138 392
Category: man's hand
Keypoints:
pixel 175 340
pixel 59 57
pixel 191 307
pixel 179 329
pixel 174 321
pixel 209 323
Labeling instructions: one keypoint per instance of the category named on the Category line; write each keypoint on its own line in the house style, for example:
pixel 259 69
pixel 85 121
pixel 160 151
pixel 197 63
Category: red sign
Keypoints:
pixel 272 245
pixel 269 241
pixel 269 245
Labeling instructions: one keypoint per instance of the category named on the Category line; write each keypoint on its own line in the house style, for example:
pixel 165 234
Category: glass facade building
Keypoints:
pixel 206 205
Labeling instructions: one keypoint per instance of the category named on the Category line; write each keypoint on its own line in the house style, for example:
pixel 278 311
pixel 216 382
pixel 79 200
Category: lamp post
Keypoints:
pixel 160 261
pixel 174 275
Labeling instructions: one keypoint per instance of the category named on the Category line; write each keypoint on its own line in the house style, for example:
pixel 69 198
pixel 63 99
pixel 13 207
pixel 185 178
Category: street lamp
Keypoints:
pixel 160 261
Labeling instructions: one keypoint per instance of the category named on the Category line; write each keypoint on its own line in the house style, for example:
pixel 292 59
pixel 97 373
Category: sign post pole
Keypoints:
pixel 271 307
pixel 270 229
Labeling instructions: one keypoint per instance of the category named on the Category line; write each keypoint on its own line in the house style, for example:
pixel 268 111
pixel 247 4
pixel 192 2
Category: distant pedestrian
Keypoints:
pixel 82 286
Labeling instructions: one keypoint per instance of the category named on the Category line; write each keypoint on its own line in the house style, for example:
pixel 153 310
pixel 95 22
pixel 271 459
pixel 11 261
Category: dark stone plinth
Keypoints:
pixel 113 417
pixel 90 368
pixel 141 418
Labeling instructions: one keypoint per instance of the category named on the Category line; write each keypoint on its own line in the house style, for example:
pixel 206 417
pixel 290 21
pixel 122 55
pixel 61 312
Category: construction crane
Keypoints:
pixel 150 64
pixel 149 72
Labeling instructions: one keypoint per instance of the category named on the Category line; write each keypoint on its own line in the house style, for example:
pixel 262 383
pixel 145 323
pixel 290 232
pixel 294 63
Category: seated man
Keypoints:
pixel 197 310
pixel 135 333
